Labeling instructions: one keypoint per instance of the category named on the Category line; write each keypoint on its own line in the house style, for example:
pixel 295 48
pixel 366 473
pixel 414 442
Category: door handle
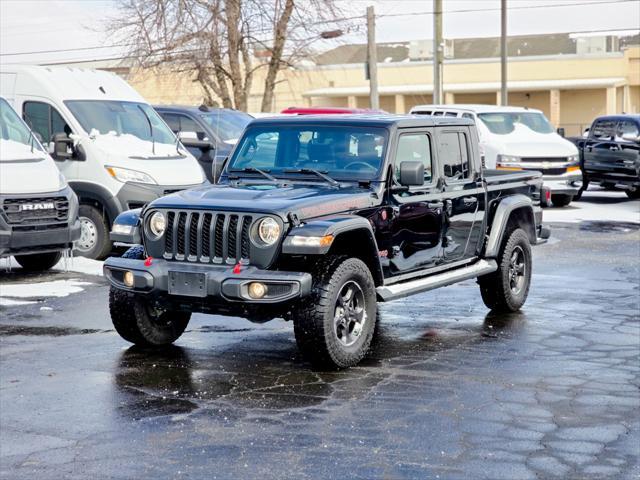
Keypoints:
pixel 614 148
pixel 435 205
pixel 468 201
pixel 589 148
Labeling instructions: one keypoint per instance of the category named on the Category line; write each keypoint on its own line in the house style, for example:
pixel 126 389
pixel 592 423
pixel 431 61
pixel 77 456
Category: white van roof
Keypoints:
pixel 467 107
pixel 68 83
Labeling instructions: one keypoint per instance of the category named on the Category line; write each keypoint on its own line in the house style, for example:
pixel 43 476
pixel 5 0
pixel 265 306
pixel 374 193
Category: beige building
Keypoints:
pixel 570 88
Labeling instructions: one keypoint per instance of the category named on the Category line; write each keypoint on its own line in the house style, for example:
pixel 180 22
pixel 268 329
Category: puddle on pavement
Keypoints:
pixel 609 227
pixel 176 380
pixel 9 330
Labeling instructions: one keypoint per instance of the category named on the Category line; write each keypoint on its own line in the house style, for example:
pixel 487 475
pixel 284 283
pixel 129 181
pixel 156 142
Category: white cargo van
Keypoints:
pixel 38 210
pixel 113 148
pixel 517 138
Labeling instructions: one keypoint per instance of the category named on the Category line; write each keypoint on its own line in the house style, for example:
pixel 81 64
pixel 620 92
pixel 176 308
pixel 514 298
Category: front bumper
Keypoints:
pixel 566 184
pixel 202 281
pixel 19 242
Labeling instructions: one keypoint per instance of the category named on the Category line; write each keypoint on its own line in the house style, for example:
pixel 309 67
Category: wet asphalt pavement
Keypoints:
pixel 449 391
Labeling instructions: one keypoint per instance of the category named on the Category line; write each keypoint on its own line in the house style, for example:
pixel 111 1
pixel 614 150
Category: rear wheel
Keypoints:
pixel 138 321
pixel 506 289
pixel 94 234
pixel 560 200
pixel 633 194
pixel 334 327
pixel 39 261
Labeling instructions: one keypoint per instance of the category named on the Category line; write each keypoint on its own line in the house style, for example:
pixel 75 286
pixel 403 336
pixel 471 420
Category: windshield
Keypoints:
pixel 503 123
pixel 121 118
pixel 344 152
pixel 12 128
pixel 228 125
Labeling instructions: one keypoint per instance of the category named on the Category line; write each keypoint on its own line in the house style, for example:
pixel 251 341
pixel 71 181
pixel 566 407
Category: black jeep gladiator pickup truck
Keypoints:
pixel 610 154
pixel 315 220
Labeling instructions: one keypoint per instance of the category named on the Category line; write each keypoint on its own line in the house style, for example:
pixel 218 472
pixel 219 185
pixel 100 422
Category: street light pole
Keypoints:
pixel 372 59
pixel 503 53
pixel 437 51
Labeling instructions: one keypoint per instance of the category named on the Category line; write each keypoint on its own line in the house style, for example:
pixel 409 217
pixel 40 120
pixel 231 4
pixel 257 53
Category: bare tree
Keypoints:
pixel 222 43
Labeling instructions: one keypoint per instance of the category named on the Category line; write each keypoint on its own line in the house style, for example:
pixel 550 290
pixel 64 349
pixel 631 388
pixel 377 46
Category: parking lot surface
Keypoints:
pixel 449 390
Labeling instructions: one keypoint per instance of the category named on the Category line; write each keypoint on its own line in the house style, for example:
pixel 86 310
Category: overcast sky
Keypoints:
pixel 74 29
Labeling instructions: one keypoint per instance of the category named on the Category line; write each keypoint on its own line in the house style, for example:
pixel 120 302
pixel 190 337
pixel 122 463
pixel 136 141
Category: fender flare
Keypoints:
pixel 126 228
pixel 505 208
pixel 99 194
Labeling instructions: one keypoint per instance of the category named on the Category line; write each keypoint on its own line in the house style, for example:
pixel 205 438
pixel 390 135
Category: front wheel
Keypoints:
pixel 560 200
pixel 94 234
pixel 506 289
pixel 335 326
pixel 38 262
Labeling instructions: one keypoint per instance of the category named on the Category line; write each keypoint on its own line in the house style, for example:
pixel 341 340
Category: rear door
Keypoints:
pixel 462 195
pixel 414 239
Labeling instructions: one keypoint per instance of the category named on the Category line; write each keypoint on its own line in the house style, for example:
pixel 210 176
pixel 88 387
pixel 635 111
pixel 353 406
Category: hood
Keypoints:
pixel 23 171
pixel 524 142
pixel 305 201
pixel 165 166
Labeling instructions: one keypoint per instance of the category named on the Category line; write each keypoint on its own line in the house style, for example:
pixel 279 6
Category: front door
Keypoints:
pixel 462 195
pixel 414 239
pixel 600 147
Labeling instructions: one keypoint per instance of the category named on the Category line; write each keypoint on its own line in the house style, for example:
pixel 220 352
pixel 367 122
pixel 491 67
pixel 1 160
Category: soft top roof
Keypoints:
pixel 385 121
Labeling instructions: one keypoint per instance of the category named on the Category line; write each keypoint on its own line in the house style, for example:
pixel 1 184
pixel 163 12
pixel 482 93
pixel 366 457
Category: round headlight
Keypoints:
pixel 268 231
pixel 157 224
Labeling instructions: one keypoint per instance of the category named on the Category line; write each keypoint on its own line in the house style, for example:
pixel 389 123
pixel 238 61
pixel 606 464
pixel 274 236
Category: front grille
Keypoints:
pixel 545 159
pixel 36 211
pixel 548 171
pixel 207 237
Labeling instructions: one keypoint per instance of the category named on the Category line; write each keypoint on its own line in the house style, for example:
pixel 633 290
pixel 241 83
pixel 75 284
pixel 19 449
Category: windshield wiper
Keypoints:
pixel 153 141
pixel 256 170
pixel 317 173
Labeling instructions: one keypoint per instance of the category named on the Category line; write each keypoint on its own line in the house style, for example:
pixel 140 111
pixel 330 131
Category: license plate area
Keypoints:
pixel 188 284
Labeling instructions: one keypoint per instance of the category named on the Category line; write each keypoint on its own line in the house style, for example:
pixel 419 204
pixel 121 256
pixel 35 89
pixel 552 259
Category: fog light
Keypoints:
pixel 127 278
pixel 257 290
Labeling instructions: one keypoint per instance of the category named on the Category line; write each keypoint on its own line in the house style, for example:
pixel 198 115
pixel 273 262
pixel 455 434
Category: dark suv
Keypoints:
pixel 208 133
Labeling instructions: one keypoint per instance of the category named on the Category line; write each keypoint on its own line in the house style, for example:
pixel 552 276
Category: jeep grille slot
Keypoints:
pixel 35 211
pixel 207 237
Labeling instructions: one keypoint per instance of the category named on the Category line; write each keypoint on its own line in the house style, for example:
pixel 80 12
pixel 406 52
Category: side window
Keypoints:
pixel 172 120
pixel 604 130
pixel 188 125
pixel 468 115
pixel 454 155
pixel 414 147
pixel 45 120
pixel 451 114
pixel 628 130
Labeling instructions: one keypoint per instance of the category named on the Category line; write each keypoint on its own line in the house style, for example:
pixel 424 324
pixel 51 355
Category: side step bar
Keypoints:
pixel 386 293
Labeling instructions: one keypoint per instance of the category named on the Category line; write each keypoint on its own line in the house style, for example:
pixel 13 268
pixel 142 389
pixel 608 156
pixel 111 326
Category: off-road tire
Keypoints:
pixel 38 262
pixel 313 318
pixel 102 246
pixel 633 194
pixel 132 315
pixel 495 287
pixel 561 200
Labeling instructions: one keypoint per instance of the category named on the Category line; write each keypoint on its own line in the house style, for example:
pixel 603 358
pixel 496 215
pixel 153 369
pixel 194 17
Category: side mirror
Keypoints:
pixel 61 144
pixel 190 139
pixel 560 131
pixel 411 173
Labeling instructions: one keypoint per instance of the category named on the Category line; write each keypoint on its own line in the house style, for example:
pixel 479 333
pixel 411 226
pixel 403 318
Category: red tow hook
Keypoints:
pixel 237 268
pixel 148 261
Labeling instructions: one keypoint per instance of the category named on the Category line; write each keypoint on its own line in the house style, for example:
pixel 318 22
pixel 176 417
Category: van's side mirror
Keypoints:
pixel 411 173
pixel 560 131
pixel 61 144
pixel 190 139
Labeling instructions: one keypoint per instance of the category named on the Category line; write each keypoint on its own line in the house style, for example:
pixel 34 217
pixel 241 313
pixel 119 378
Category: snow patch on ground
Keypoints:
pixel 596 205
pixel 55 288
pixel 75 265
pixel 7 302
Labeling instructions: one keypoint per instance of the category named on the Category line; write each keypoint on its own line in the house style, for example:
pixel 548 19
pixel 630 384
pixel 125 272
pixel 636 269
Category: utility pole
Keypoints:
pixel 372 59
pixel 437 51
pixel 503 53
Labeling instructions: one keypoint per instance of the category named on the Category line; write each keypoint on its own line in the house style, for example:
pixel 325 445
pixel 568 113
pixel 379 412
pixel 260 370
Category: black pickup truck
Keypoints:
pixel 610 154
pixel 315 220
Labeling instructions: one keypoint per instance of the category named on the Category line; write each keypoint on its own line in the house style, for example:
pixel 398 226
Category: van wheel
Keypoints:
pixel 38 262
pixel 334 327
pixel 561 200
pixel 506 289
pixel 94 234
pixel 138 321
